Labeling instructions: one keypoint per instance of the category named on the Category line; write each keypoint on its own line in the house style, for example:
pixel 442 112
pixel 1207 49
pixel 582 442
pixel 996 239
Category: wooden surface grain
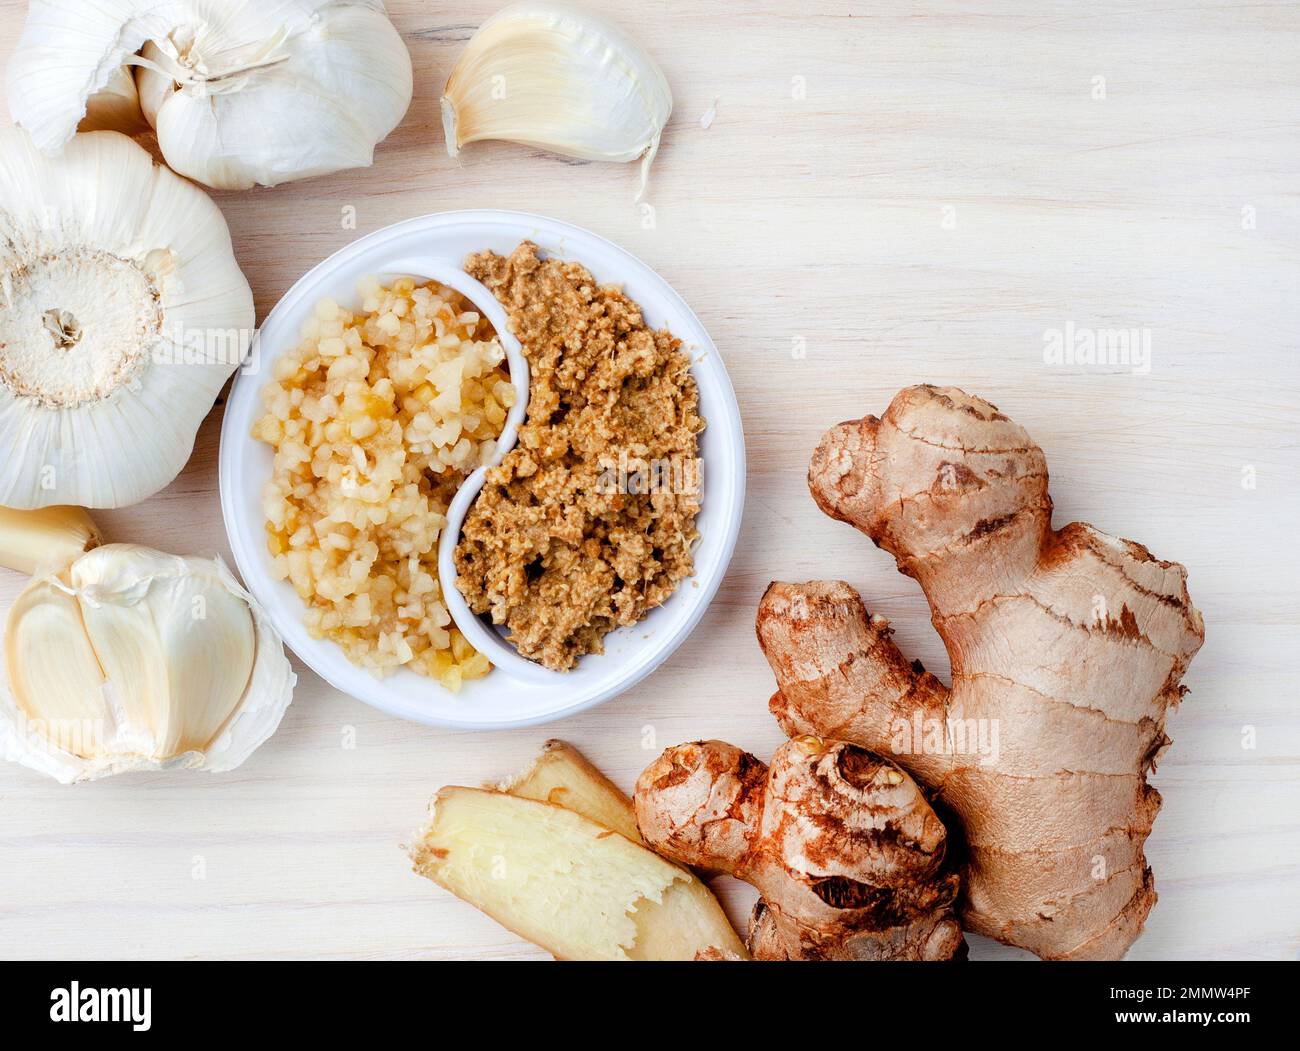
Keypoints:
pixel 890 193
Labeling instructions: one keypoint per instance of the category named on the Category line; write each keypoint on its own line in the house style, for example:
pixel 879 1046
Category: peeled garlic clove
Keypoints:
pixel 131 653
pixel 561 79
pixel 132 659
pixel 167 626
pixel 47 538
pixel 122 313
pixel 241 92
pixel 207 651
pixel 56 678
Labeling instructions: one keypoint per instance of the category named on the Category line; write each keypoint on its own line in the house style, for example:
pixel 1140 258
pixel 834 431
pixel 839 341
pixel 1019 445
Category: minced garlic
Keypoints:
pixel 376 418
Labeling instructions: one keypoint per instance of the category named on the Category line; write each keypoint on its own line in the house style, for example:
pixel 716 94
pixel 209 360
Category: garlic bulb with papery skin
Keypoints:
pixel 132 659
pixel 122 313
pixel 559 78
pixel 239 92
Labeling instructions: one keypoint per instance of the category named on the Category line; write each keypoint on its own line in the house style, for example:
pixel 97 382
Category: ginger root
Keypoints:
pixel 535 857
pixel 841 844
pixel 1067 647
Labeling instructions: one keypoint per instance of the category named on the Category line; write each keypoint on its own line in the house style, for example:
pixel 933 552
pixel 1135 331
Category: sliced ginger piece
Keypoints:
pixel 562 775
pixel 576 888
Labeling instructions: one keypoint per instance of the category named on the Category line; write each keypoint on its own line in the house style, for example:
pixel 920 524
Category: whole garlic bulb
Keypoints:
pixel 132 659
pixel 122 313
pixel 239 92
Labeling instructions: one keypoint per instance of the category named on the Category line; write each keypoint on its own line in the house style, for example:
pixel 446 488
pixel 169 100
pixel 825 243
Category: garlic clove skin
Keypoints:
pixel 133 659
pixel 240 92
pixel 152 89
pixel 69 52
pixel 558 78
pixel 122 314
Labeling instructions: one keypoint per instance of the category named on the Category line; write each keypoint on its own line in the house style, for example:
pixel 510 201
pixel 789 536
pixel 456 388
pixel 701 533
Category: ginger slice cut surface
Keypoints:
pixel 574 887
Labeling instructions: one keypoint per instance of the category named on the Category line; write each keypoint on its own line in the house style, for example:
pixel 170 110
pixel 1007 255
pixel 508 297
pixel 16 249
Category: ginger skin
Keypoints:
pixel 841 844
pixel 1069 644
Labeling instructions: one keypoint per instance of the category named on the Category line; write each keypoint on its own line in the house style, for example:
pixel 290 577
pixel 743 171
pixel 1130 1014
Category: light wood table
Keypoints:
pixel 890 193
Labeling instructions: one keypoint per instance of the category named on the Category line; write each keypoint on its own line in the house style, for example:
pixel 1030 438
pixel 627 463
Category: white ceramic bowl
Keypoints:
pixel 516 692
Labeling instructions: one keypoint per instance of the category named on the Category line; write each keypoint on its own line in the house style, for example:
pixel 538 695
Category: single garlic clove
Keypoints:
pixel 561 79
pixel 55 676
pixel 206 635
pixel 45 538
pixel 125 640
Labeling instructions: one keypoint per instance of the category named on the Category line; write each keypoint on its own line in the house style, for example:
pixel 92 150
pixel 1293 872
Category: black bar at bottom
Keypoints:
pixel 436 1000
